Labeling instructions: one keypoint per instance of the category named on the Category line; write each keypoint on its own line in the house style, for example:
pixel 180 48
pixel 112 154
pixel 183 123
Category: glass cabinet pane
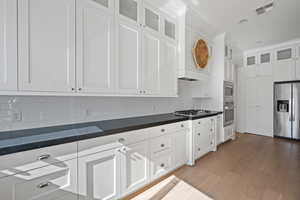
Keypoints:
pixel 129 8
pixel 251 60
pixel 102 2
pixel 284 54
pixel 170 29
pixel 265 58
pixel 151 20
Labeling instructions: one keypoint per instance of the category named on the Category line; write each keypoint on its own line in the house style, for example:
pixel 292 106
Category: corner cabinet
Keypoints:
pixel 95 46
pixel 46 45
pixel 8 45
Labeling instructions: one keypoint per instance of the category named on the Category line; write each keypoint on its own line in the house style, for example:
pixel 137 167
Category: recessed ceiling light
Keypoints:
pixel 243 21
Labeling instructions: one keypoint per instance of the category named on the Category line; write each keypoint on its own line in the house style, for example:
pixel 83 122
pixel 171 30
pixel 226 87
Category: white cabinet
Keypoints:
pixel 95 46
pixel 99 175
pixel 265 67
pixel 8 45
pixel 46 45
pixel 284 66
pixel 180 148
pixel 151 50
pixel 168 68
pixel 161 163
pixel 57 181
pixel 204 135
pixel 297 57
pixel 135 171
pixel 129 54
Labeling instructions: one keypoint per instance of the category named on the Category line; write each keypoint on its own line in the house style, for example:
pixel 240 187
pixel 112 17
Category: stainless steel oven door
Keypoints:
pixel 228 113
pixel 228 91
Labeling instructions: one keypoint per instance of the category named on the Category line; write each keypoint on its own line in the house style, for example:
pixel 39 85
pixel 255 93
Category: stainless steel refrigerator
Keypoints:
pixel 287 110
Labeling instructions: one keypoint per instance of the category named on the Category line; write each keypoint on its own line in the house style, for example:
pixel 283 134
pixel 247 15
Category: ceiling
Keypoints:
pixel 279 25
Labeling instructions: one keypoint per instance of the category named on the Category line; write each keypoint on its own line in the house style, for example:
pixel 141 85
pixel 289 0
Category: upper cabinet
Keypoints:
pixel 8 45
pixel 297 57
pixel 47 45
pixel 265 67
pixel 128 52
pixel 284 67
pixel 95 46
pixel 151 49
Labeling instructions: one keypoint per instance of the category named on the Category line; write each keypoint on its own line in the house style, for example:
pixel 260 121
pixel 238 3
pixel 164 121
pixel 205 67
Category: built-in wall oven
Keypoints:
pixel 228 113
pixel 228 103
pixel 228 91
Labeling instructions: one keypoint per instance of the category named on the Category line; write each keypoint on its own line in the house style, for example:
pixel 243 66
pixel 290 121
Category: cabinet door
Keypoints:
pixel 99 176
pixel 180 148
pixel 128 40
pixel 264 114
pixel 58 181
pixel 203 138
pixel 298 62
pixel 8 45
pixel 251 105
pixel 265 67
pixel 161 164
pixel 95 46
pixel 47 45
pixel 168 69
pixel 135 167
pixel 284 66
pixel 151 50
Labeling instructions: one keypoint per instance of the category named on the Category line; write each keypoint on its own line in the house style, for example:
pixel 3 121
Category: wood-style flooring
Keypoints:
pixel 250 168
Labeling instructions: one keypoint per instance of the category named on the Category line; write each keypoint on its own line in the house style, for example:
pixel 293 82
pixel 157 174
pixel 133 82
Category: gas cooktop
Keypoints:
pixel 192 113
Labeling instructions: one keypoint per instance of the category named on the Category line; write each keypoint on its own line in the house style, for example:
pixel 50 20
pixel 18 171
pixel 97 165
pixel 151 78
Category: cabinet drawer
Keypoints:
pixel 29 160
pixel 160 144
pixel 57 181
pixel 168 128
pixel 161 164
pixel 95 145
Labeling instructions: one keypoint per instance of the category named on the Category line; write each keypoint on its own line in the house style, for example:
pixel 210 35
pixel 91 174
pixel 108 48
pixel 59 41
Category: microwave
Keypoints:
pixel 228 91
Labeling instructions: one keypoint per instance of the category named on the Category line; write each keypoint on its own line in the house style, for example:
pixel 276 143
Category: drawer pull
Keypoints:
pixel 182 126
pixel 43 185
pixel 121 140
pixel 199 149
pixel 44 157
pixel 162 165
pixel 163 130
pixel 199 134
pixel 199 122
pixel 162 145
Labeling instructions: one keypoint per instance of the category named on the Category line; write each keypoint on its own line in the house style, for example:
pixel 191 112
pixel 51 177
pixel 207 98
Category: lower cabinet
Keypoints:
pixel 57 181
pixel 204 137
pixel 161 163
pixel 135 171
pixel 99 176
pixel 180 148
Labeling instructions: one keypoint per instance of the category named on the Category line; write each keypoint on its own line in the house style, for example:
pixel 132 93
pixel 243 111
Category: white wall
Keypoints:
pixel 48 111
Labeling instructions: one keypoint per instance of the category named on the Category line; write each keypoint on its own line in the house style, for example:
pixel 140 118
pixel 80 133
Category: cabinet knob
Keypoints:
pixel 44 157
pixel 80 89
pixel 199 149
pixel 199 122
pixel 163 130
pixel 199 134
pixel 162 165
pixel 182 126
pixel 73 89
pixel 162 145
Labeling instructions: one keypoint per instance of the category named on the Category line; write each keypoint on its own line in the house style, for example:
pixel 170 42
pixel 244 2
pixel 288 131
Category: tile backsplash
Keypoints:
pixel 34 111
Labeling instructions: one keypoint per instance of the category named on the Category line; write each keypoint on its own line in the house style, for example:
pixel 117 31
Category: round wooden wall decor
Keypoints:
pixel 201 54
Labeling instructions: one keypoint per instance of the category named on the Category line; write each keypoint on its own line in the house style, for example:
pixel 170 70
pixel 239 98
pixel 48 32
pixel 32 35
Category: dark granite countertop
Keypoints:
pixel 28 139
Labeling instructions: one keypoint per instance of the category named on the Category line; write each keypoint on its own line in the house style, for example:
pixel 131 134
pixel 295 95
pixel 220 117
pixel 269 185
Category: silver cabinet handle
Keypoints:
pixel 182 126
pixel 163 130
pixel 121 140
pixel 44 157
pixel 199 122
pixel 162 145
pixel 162 165
pixel 199 149
pixel 199 134
pixel 43 185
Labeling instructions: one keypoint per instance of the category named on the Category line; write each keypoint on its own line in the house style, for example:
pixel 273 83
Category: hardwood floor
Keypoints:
pixel 250 168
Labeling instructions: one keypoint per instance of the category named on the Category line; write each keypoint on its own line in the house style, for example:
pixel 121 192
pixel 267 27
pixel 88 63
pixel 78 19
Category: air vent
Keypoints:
pixel 265 8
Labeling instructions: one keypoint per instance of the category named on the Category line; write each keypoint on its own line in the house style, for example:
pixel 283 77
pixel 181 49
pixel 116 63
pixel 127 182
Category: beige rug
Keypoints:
pixel 172 188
